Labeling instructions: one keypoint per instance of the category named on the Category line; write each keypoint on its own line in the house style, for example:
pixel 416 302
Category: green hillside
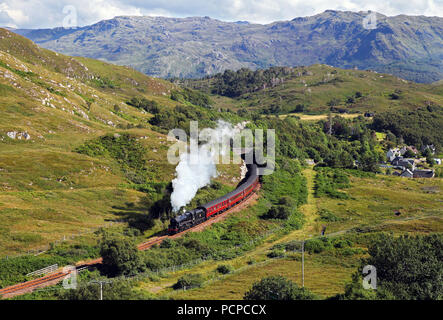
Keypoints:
pixel 50 105
pixel 83 160
pixel 316 89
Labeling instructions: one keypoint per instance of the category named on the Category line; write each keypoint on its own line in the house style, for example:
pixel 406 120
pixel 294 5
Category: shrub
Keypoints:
pixel 341 243
pixel 167 243
pixel 328 216
pixel 276 254
pixel 224 269
pixel 123 148
pixel 120 255
pixel 189 281
pixel 409 267
pixel 279 212
pixel 251 262
pixel 277 288
pixel 115 290
pixel 317 245
pixel 293 246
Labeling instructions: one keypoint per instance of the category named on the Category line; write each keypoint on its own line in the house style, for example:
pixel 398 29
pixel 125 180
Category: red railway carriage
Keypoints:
pixel 229 200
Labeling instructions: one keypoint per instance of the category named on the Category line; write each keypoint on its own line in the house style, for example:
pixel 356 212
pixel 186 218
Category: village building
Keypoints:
pixel 430 147
pixel 392 154
pixel 424 173
pixel 407 174
pixel 404 163
pixel 417 173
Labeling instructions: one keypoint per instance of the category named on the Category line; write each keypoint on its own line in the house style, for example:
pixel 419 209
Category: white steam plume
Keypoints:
pixel 195 171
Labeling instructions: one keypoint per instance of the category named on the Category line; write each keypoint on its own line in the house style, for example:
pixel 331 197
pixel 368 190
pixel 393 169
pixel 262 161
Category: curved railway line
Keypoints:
pixel 56 277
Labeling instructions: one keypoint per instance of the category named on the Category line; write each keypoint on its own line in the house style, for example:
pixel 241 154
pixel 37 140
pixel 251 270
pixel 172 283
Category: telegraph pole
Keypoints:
pixel 303 263
pixel 101 286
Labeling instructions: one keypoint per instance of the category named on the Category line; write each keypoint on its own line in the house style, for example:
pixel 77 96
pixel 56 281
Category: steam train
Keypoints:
pixel 202 213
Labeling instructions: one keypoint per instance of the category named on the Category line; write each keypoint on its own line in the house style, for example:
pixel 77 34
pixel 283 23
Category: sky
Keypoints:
pixel 72 13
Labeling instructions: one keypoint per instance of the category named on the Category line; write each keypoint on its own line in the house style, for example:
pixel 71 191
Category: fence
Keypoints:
pixel 46 270
pixel 43 249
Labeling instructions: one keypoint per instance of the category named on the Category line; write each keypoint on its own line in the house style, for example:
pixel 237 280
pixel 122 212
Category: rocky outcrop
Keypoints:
pixel 18 135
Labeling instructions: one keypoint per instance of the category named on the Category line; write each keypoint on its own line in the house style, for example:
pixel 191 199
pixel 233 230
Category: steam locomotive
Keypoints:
pixel 202 213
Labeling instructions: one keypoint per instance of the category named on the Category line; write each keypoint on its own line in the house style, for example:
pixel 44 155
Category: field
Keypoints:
pixel 326 273
pixel 48 191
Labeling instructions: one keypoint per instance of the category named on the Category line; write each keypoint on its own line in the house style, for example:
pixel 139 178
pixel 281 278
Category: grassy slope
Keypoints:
pixel 47 191
pixel 320 84
pixel 372 203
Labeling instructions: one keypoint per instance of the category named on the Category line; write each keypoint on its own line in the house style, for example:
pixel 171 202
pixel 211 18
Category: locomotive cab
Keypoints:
pixel 173 226
pixel 186 220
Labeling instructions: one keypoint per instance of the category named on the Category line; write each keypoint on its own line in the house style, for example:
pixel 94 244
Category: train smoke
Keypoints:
pixel 196 169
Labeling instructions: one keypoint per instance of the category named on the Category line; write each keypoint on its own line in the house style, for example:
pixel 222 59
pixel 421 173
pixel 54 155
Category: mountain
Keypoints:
pixel 410 47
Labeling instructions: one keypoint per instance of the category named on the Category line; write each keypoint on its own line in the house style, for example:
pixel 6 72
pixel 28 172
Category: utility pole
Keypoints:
pixel 101 286
pixel 303 263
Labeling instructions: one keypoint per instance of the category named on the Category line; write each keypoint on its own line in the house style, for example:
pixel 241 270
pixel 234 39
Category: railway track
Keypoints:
pixel 31 285
pixel 56 277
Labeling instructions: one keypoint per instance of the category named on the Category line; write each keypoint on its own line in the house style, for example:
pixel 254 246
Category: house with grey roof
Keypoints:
pixel 401 162
pixel 407 174
pixel 423 173
pixel 417 173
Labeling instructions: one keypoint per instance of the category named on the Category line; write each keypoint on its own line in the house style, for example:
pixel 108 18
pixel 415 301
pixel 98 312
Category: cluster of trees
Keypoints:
pixel 123 148
pixel 150 106
pixel 282 210
pixel 178 117
pixel 189 281
pixel 408 268
pixel 191 96
pixel 120 256
pixel 350 141
pixel 111 290
pixel 278 288
pixel 420 127
pixel 235 83
pixel 284 191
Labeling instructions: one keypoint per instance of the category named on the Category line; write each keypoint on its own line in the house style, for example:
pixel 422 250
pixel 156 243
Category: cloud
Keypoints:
pixel 49 13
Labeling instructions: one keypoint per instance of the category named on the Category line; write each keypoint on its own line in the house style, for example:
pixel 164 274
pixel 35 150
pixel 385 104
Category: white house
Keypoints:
pixel 392 154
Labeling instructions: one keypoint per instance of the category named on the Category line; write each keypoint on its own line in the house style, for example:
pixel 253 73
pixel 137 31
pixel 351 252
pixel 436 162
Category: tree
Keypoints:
pixel 115 290
pixel 368 162
pixel 279 212
pixel 120 256
pixel 333 102
pixel 277 288
pixel 430 160
pixel 409 154
pixel 409 267
pixel 189 281
pixel 299 108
